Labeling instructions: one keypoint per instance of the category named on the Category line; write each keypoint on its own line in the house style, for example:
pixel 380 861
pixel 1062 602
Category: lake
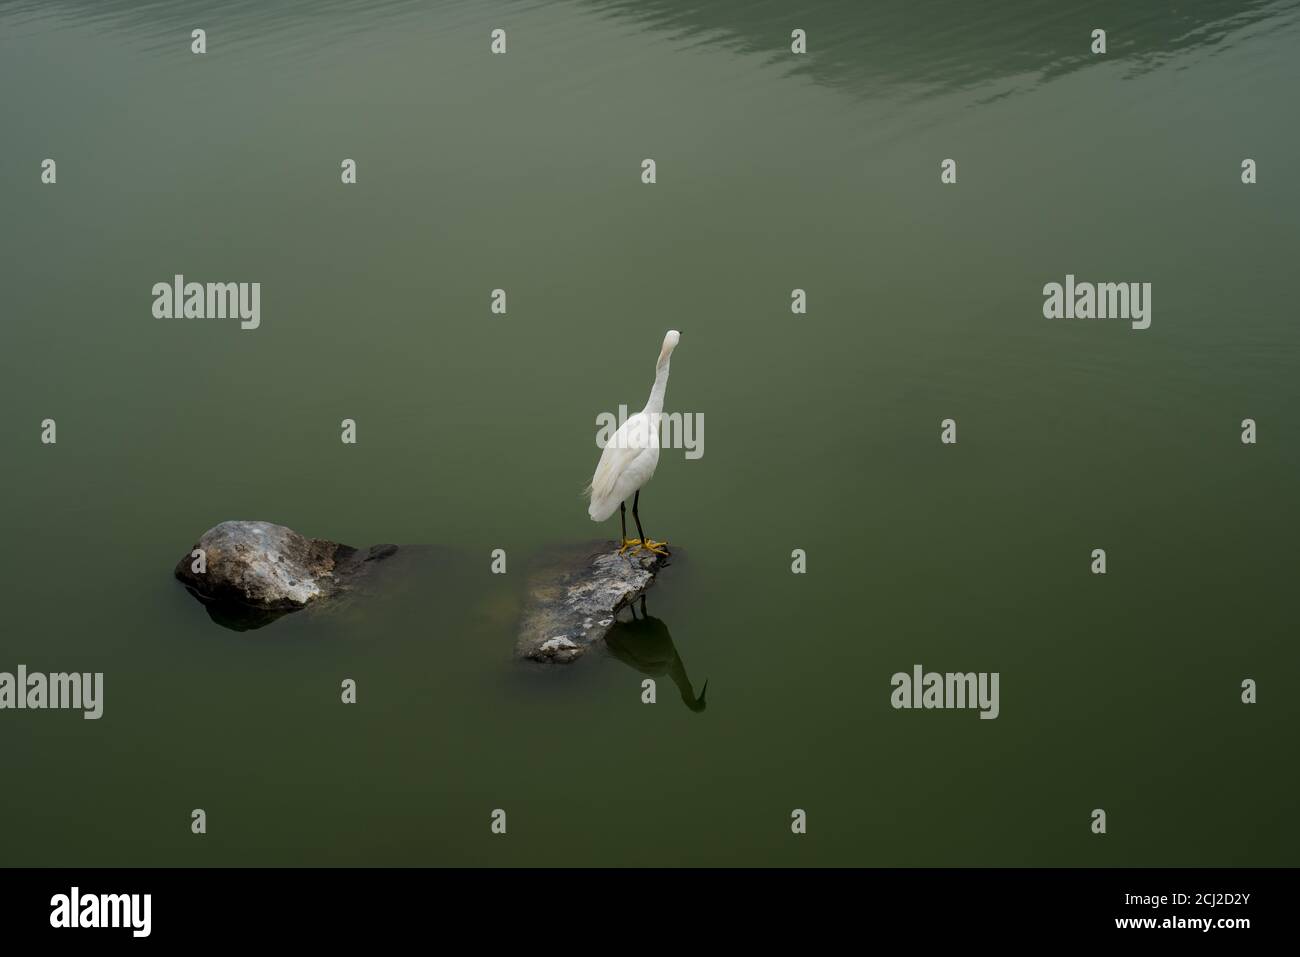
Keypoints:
pixel 475 430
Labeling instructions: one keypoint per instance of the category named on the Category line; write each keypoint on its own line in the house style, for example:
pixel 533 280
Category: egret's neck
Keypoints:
pixel 656 403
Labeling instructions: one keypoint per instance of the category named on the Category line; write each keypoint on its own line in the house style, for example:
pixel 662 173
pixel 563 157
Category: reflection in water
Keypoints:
pixel 645 644
pixel 937 46
pixel 913 47
pixel 237 616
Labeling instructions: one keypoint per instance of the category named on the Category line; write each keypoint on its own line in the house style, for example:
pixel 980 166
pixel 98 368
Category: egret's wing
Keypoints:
pixel 627 442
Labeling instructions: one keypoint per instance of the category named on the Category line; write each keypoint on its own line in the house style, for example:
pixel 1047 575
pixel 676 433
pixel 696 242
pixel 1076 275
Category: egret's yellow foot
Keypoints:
pixel 629 543
pixel 659 548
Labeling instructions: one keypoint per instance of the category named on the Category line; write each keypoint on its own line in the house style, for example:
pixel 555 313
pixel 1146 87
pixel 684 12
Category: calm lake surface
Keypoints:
pixel 476 431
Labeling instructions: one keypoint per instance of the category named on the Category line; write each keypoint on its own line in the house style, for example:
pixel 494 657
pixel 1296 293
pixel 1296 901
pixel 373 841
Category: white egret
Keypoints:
pixel 630 457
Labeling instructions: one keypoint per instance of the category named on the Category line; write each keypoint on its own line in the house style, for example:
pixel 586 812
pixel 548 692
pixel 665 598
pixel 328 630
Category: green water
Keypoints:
pixel 476 431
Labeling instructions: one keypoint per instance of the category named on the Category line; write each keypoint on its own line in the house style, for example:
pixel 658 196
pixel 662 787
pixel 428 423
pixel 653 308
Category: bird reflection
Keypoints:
pixel 645 644
pixel 235 615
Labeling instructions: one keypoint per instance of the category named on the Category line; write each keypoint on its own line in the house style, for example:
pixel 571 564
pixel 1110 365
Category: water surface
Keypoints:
pixel 476 431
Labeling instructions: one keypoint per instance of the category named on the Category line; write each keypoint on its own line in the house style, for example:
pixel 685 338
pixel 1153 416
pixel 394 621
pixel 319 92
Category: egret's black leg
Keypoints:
pixel 625 543
pixel 646 543
pixel 636 499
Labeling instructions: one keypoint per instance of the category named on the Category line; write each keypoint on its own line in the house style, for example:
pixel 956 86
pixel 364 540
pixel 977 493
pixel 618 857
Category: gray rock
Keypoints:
pixel 257 571
pixel 574 597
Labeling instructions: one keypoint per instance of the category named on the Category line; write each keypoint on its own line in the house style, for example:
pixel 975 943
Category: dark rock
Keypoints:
pixel 574 598
pixel 257 571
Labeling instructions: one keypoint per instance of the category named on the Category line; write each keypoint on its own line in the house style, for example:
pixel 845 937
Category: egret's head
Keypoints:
pixel 670 343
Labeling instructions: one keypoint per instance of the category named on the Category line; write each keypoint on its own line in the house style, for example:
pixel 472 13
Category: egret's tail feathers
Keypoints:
pixel 601 508
pixel 602 483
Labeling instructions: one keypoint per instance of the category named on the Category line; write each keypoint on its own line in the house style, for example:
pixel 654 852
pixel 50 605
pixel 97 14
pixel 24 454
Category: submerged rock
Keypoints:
pixel 254 572
pixel 574 598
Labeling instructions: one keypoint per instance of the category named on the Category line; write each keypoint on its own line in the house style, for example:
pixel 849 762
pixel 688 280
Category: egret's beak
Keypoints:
pixel 699 702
